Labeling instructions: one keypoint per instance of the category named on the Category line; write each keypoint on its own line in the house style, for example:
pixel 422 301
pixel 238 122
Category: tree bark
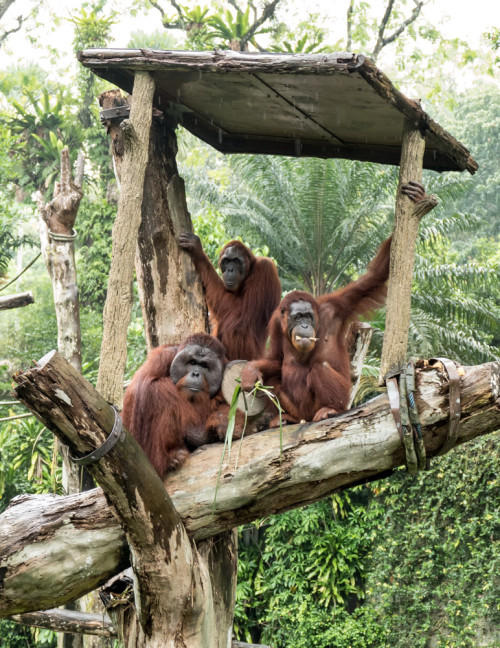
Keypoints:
pixel 317 460
pixel 170 289
pixel 361 333
pixel 119 298
pixel 16 301
pixel 406 221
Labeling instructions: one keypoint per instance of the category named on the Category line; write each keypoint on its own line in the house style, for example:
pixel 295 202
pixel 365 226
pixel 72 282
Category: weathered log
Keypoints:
pixel 60 620
pixel 171 294
pixel 180 594
pixel 361 333
pixel 317 460
pixel 16 301
pixel 57 241
pixel 173 305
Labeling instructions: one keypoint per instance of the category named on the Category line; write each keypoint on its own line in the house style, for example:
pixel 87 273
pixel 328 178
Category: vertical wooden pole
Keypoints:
pixel 119 297
pixel 170 289
pixel 406 222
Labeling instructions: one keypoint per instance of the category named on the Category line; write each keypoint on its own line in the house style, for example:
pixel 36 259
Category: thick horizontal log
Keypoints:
pixel 16 301
pixel 70 406
pixel 52 544
pixel 60 620
pixel 61 547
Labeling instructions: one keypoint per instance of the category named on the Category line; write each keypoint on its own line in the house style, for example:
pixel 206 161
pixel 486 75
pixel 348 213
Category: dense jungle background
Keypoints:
pixel 409 560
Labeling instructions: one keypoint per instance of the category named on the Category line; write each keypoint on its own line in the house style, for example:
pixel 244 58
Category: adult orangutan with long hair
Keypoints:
pixel 173 403
pixel 242 302
pixel 308 361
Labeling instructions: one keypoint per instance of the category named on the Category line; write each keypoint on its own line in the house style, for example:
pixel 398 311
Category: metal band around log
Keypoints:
pixel 114 436
pixel 63 238
pixel 454 398
pixel 423 462
pixel 393 394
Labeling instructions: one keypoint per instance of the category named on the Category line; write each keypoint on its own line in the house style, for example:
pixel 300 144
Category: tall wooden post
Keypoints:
pixel 170 289
pixel 119 297
pixel 406 221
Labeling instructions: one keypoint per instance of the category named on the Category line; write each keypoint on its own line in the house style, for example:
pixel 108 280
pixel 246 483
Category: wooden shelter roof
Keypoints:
pixel 323 105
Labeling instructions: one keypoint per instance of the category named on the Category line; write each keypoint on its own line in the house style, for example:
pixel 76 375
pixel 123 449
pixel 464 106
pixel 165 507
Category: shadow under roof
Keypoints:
pixel 322 105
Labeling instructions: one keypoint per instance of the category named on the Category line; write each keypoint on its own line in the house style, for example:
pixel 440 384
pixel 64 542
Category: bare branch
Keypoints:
pixel 381 41
pixel 4 6
pixel 16 301
pixel 68 621
pixel 234 4
pixel 178 24
pixel 269 10
pixel 382 27
pixel 14 418
pixel 7 33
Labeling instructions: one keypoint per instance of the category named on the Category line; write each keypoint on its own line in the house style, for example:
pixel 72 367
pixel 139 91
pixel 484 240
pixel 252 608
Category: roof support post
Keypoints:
pixel 118 305
pixel 406 221
pixel 170 290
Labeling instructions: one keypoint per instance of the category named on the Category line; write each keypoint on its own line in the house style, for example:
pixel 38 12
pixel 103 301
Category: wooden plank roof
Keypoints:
pixel 321 105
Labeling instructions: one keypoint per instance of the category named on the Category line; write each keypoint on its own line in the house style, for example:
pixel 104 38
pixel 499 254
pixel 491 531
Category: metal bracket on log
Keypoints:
pixel 118 113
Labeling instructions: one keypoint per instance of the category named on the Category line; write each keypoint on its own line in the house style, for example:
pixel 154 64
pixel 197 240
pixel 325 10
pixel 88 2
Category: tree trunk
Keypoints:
pixel 57 235
pixel 406 221
pixel 317 460
pixel 172 300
